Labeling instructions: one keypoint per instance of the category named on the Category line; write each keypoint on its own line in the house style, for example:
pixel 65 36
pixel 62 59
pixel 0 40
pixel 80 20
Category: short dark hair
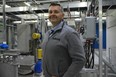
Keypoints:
pixel 56 4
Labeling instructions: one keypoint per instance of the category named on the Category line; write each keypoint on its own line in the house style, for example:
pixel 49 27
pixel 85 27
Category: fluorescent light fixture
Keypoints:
pixel 1 17
pixel 7 6
pixel 78 19
pixel 18 22
pixel 27 4
pixel 77 13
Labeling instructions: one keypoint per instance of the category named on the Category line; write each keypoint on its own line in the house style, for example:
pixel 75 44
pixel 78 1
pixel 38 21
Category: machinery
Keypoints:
pixel 29 38
pixel 23 51
pixel 20 50
pixel 8 63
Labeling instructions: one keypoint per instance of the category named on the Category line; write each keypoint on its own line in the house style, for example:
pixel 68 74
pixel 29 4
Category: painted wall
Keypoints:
pixel 96 43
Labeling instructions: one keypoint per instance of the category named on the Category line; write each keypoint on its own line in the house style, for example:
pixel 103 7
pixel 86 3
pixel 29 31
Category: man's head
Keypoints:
pixel 56 14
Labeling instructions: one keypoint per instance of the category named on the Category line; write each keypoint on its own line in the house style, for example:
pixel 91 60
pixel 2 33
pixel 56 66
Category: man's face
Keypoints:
pixel 55 14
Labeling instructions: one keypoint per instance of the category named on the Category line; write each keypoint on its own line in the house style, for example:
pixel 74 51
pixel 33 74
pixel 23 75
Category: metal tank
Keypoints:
pixel 8 64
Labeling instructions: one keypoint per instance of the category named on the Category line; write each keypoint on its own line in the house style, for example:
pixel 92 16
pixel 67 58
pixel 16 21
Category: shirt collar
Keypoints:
pixel 58 26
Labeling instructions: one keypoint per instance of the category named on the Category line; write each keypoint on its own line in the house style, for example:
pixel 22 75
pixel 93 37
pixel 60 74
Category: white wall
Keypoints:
pixel 111 35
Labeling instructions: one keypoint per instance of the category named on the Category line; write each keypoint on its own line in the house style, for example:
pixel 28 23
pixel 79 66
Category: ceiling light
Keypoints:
pixel 78 19
pixel 7 6
pixel 27 4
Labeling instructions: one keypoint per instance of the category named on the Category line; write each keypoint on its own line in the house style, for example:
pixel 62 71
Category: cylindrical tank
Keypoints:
pixel 8 70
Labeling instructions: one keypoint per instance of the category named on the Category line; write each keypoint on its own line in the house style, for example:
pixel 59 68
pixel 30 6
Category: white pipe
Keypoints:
pixel 100 39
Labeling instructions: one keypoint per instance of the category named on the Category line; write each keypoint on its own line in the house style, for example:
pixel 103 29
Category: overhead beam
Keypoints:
pixel 14 1
pixel 14 17
pixel 74 4
pixel 38 1
pixel 109 2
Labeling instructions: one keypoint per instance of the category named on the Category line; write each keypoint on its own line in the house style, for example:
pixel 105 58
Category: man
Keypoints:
pixel 63 53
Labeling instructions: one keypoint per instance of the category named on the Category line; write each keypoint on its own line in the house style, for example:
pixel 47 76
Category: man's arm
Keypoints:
pixel 76 52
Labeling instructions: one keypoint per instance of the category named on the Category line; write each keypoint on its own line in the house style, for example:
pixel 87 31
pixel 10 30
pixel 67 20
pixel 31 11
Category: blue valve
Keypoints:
pixel 4 46
pixel 38 67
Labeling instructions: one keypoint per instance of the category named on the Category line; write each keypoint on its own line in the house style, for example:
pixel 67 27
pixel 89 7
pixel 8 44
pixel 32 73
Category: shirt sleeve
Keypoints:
pixel 76 52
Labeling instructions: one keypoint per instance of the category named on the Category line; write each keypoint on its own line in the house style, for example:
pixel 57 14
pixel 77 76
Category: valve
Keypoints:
pixel 36 35
pixel 39 53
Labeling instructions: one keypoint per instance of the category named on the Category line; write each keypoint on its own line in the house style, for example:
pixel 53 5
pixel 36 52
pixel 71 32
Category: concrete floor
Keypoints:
pixel 25 76
pixel 30 75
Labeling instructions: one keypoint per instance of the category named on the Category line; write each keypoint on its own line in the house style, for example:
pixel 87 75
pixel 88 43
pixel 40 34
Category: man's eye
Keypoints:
pixel 50 12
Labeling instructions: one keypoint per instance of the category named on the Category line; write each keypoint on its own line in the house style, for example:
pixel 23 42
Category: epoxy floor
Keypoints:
pixel 30 75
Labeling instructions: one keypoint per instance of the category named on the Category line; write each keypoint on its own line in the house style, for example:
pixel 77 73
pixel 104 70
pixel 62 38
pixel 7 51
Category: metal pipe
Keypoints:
pixel 45 8
pixel 87 6
pixel 4 23
pixel 106 71
pixel 100 39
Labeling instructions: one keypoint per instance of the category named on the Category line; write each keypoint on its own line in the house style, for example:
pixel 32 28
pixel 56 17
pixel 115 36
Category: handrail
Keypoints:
pixel 108 64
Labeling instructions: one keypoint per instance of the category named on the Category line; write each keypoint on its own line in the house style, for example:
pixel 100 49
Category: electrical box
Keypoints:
pixel 90 27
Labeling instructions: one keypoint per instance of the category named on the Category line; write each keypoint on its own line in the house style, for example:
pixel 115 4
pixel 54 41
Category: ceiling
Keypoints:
pixel 32 9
